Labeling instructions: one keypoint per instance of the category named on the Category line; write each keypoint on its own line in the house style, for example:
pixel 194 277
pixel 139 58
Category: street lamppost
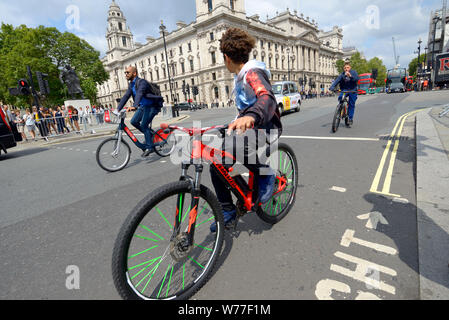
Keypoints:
pixel 288 63
pixel 436 18
pixel 163 29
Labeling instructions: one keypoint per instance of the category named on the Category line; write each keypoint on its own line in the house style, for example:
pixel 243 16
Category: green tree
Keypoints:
pixel 413 65
pixel 376 63
pixel 49 51
pixel 340 65
pixel 359 64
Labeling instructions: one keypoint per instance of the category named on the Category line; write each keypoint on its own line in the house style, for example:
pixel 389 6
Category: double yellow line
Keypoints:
pixel 395 136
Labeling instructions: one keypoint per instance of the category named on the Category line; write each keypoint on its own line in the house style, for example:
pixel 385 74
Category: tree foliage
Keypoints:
pixel 361 65
pixel 413 66
pixel 49 51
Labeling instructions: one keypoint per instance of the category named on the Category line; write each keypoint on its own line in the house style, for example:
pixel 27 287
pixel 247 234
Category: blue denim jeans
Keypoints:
pixel 142 120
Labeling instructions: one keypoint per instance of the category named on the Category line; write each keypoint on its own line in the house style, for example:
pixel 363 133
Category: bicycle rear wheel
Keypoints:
pixel 148 262
pixel 281 203
pixel 165 143
pixel 113 156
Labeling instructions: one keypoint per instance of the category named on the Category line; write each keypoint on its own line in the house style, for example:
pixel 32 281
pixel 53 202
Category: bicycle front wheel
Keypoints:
pixel 152 262
pixel 112 155
pixel 337 118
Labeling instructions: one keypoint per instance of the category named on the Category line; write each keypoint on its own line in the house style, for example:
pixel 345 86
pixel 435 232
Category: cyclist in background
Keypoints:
pixel 257 109
pixel 147 108
pixel 348 82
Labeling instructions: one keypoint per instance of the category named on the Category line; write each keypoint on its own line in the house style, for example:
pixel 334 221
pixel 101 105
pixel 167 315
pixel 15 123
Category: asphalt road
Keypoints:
pixel 59 209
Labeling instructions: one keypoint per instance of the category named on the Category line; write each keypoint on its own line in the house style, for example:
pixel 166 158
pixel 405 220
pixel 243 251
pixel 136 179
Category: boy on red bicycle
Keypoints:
pixel 257 109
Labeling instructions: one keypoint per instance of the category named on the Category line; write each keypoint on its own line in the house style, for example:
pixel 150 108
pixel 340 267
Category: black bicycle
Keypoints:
pixel 113 154
pixel 342 111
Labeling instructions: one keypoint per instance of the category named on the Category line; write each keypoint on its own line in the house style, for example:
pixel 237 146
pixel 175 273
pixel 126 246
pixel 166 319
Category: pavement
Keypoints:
pixel 432 175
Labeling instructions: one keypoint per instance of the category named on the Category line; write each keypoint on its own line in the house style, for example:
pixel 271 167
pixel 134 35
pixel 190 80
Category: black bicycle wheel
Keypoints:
pixel 147 263
pixel 165 143
pixel 286 164
pixel 112 156
pixel 337 118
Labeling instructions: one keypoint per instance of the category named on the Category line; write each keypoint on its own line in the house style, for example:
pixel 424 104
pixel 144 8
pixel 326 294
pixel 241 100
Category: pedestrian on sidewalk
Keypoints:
pixel 30 123
pixel 20 125
pixel 40 122
pixel 60 120
pixel 68 118
pixel 50 118
pixel 75 118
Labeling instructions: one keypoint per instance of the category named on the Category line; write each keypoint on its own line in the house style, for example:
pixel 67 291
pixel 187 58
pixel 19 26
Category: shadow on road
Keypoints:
pixel 23 153
pixel 402 228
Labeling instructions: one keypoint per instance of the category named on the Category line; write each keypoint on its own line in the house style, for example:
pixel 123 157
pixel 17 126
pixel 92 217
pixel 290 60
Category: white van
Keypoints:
pixel 287 96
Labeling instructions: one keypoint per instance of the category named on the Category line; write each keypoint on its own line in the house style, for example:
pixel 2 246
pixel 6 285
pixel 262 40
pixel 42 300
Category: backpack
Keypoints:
pixel 154 88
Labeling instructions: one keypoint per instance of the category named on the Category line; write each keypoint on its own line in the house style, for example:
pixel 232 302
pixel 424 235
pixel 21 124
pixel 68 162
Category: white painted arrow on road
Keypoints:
pixel 374 218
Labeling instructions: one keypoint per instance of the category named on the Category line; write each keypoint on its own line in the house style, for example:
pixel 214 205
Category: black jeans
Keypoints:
pixel 252 151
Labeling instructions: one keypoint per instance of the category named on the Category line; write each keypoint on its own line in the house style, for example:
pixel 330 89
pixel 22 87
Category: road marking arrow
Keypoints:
pixel 373 219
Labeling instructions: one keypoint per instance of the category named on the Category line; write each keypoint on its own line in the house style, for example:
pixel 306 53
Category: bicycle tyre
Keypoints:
pixel 99 153
pixel 162 150
pixel 284 166
pixel 337 118
pixel 120 258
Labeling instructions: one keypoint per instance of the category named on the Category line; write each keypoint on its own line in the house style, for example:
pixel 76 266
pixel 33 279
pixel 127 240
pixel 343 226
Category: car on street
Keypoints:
pixel 185 106
pixel 287 96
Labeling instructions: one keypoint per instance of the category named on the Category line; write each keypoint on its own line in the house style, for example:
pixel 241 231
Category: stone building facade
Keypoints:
pixel 290 44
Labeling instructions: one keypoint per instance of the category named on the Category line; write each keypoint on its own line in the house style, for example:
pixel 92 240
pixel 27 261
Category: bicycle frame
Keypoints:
pixel 202 153
pixel 122 127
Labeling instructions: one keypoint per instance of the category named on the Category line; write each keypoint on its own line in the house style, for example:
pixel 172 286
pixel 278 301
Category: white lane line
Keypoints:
pixel 338 189
pixel 330 138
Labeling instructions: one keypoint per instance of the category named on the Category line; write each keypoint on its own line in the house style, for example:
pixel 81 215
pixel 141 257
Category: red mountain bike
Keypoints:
pixel 165 249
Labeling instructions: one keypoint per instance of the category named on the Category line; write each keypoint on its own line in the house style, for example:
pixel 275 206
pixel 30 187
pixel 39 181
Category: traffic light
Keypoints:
pixel 195 91
pixel 24 87
pixel 188 89
pixel 43 83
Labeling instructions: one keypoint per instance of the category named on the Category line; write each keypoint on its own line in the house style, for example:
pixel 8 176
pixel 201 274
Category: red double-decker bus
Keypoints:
pixel 365 83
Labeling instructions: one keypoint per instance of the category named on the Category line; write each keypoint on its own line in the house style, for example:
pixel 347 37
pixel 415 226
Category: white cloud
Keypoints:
pixel 406 20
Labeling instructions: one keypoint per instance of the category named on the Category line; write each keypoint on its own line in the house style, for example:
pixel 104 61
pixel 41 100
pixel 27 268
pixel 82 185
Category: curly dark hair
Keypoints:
pixel 237 44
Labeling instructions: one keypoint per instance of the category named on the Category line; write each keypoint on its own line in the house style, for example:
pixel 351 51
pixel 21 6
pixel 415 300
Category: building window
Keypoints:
pixel 155 59
pixel 124 41
pixel 209 5
pixel 164 72
pixel 191 66
pixel 231 3
pixel 183 68
pixel 193 81
pixel 214 60
pixel 211 36
pixel 261 43
pixel 157 75
pixel 189 46
pixel 120 26
pixel 214 76
pixel 162 57
pixel 151 76
pixel 180 49
pixel 216 93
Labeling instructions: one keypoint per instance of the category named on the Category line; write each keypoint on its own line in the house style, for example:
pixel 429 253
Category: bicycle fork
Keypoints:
pixel 193 209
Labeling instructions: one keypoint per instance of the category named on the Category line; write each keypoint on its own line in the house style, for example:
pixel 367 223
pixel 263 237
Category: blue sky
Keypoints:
pixel 406 20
